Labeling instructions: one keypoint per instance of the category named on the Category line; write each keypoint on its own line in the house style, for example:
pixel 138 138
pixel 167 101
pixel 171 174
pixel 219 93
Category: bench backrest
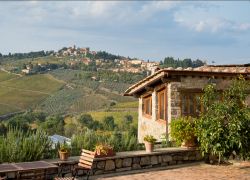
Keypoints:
pixel 86 159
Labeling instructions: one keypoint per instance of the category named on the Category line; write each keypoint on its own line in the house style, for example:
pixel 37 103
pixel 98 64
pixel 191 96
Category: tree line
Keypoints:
pixel 171 62
pixel 27 55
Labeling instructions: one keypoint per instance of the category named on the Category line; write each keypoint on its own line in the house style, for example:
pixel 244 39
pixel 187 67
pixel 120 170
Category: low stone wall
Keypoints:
pixel 127 161
pixel 134 160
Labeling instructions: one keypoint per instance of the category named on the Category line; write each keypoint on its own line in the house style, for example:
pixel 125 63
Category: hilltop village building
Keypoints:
pixel 170 93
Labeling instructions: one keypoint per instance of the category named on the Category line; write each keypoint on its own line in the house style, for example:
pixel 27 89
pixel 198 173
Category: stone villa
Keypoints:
pixel 170 93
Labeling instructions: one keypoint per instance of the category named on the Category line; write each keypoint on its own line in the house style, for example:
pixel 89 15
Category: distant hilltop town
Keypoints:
pixel 78 58
pixel 103 59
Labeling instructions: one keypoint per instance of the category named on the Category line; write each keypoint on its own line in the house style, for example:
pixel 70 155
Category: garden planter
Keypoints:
pixel 108 153
pixel 149 146
pixel 63 155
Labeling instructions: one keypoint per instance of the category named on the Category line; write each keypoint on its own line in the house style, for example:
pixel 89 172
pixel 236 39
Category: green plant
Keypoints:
pixel 64 147
pixel 182 129
pixel 224 127
pixel 103 148
pixel 149 138
pixel 19 146
pixel 165 142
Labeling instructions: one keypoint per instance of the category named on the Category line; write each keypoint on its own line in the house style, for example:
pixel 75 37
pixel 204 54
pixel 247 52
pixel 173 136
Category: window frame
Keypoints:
pixel 144 107
pixel 159 103
pixel 190 96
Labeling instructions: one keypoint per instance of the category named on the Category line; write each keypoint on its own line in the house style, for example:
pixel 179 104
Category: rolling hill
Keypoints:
pixel 21 93
pixel 58 92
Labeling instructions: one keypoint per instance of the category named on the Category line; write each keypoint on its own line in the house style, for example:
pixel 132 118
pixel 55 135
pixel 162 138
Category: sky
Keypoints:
pixel 216 31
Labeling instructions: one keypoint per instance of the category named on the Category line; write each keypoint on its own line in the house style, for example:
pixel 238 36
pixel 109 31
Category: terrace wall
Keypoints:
pixel 135 160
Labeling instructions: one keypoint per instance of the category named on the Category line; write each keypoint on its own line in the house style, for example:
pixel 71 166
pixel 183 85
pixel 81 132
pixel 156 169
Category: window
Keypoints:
pixel 147 105
pixel 161 106
pixel 191 104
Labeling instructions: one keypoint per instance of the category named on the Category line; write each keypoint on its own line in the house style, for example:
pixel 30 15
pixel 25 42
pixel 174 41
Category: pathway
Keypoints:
pixel 240 170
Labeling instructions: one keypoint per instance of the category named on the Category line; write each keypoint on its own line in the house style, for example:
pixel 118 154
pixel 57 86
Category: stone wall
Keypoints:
pixel 135 160
pixel 150 125
pixel 191 83
pixel 143 160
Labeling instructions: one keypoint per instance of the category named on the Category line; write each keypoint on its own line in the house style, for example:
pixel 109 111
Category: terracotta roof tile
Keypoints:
pixel 228 70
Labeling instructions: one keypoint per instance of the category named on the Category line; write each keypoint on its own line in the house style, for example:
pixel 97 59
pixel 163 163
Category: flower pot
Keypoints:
pixel 149 146
pixel 110 152
pixel 189 143
pixel 63 155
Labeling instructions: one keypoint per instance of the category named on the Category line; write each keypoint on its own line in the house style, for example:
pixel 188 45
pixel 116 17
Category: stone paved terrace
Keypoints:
pixel 195 171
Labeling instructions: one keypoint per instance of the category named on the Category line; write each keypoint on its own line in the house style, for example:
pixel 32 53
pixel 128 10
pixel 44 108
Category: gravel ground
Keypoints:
pixel 239 170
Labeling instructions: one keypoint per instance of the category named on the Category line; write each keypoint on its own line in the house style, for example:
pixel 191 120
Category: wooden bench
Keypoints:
pixel 85 164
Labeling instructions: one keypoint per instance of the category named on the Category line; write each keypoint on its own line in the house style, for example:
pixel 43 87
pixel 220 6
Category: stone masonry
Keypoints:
pixel 134 160
pixel 153 127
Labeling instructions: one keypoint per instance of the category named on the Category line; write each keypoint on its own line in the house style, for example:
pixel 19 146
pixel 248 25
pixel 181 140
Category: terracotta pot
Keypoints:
pixel 63 155
pixel 189 144
pixel 149 146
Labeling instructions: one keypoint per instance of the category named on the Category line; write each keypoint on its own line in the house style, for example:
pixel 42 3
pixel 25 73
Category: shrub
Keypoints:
pixel 109 123
pixel 18 146
pixel 182 130
pixel 89 138
pixel 224 128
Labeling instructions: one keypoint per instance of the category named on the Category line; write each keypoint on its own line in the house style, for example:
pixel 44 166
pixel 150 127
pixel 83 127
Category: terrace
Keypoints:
pixel 122 162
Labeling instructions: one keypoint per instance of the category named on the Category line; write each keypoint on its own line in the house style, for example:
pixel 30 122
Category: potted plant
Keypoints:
pixel 149 142
pixel 183 132
pixel 104 150
pixel 64 151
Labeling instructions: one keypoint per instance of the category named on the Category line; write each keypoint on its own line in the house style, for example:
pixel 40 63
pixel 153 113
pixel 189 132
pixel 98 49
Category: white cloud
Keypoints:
pixel 243 26
pixel 207 20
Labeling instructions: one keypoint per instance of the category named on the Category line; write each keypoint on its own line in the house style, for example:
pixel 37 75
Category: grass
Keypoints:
pixel 133 104
pixel 6 76
pixel 118 115
pixel 60 101
pixel 43 83
pixel 90 102
pixel 25 92
pixel 44 92
pixel 6 109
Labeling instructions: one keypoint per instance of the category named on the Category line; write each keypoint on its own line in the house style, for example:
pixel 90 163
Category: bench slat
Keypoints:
pixel 88 152
pixel 88 155
pixel 84 165
pixel 85 162
pixel 87 158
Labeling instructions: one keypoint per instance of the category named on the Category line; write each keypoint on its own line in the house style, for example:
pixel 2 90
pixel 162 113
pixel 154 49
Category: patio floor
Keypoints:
pixel 195 171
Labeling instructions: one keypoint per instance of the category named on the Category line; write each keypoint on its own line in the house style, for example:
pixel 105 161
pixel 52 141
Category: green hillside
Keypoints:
pixel 59 92
pixel 6 76
pixel 81 95
pixel 21 93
